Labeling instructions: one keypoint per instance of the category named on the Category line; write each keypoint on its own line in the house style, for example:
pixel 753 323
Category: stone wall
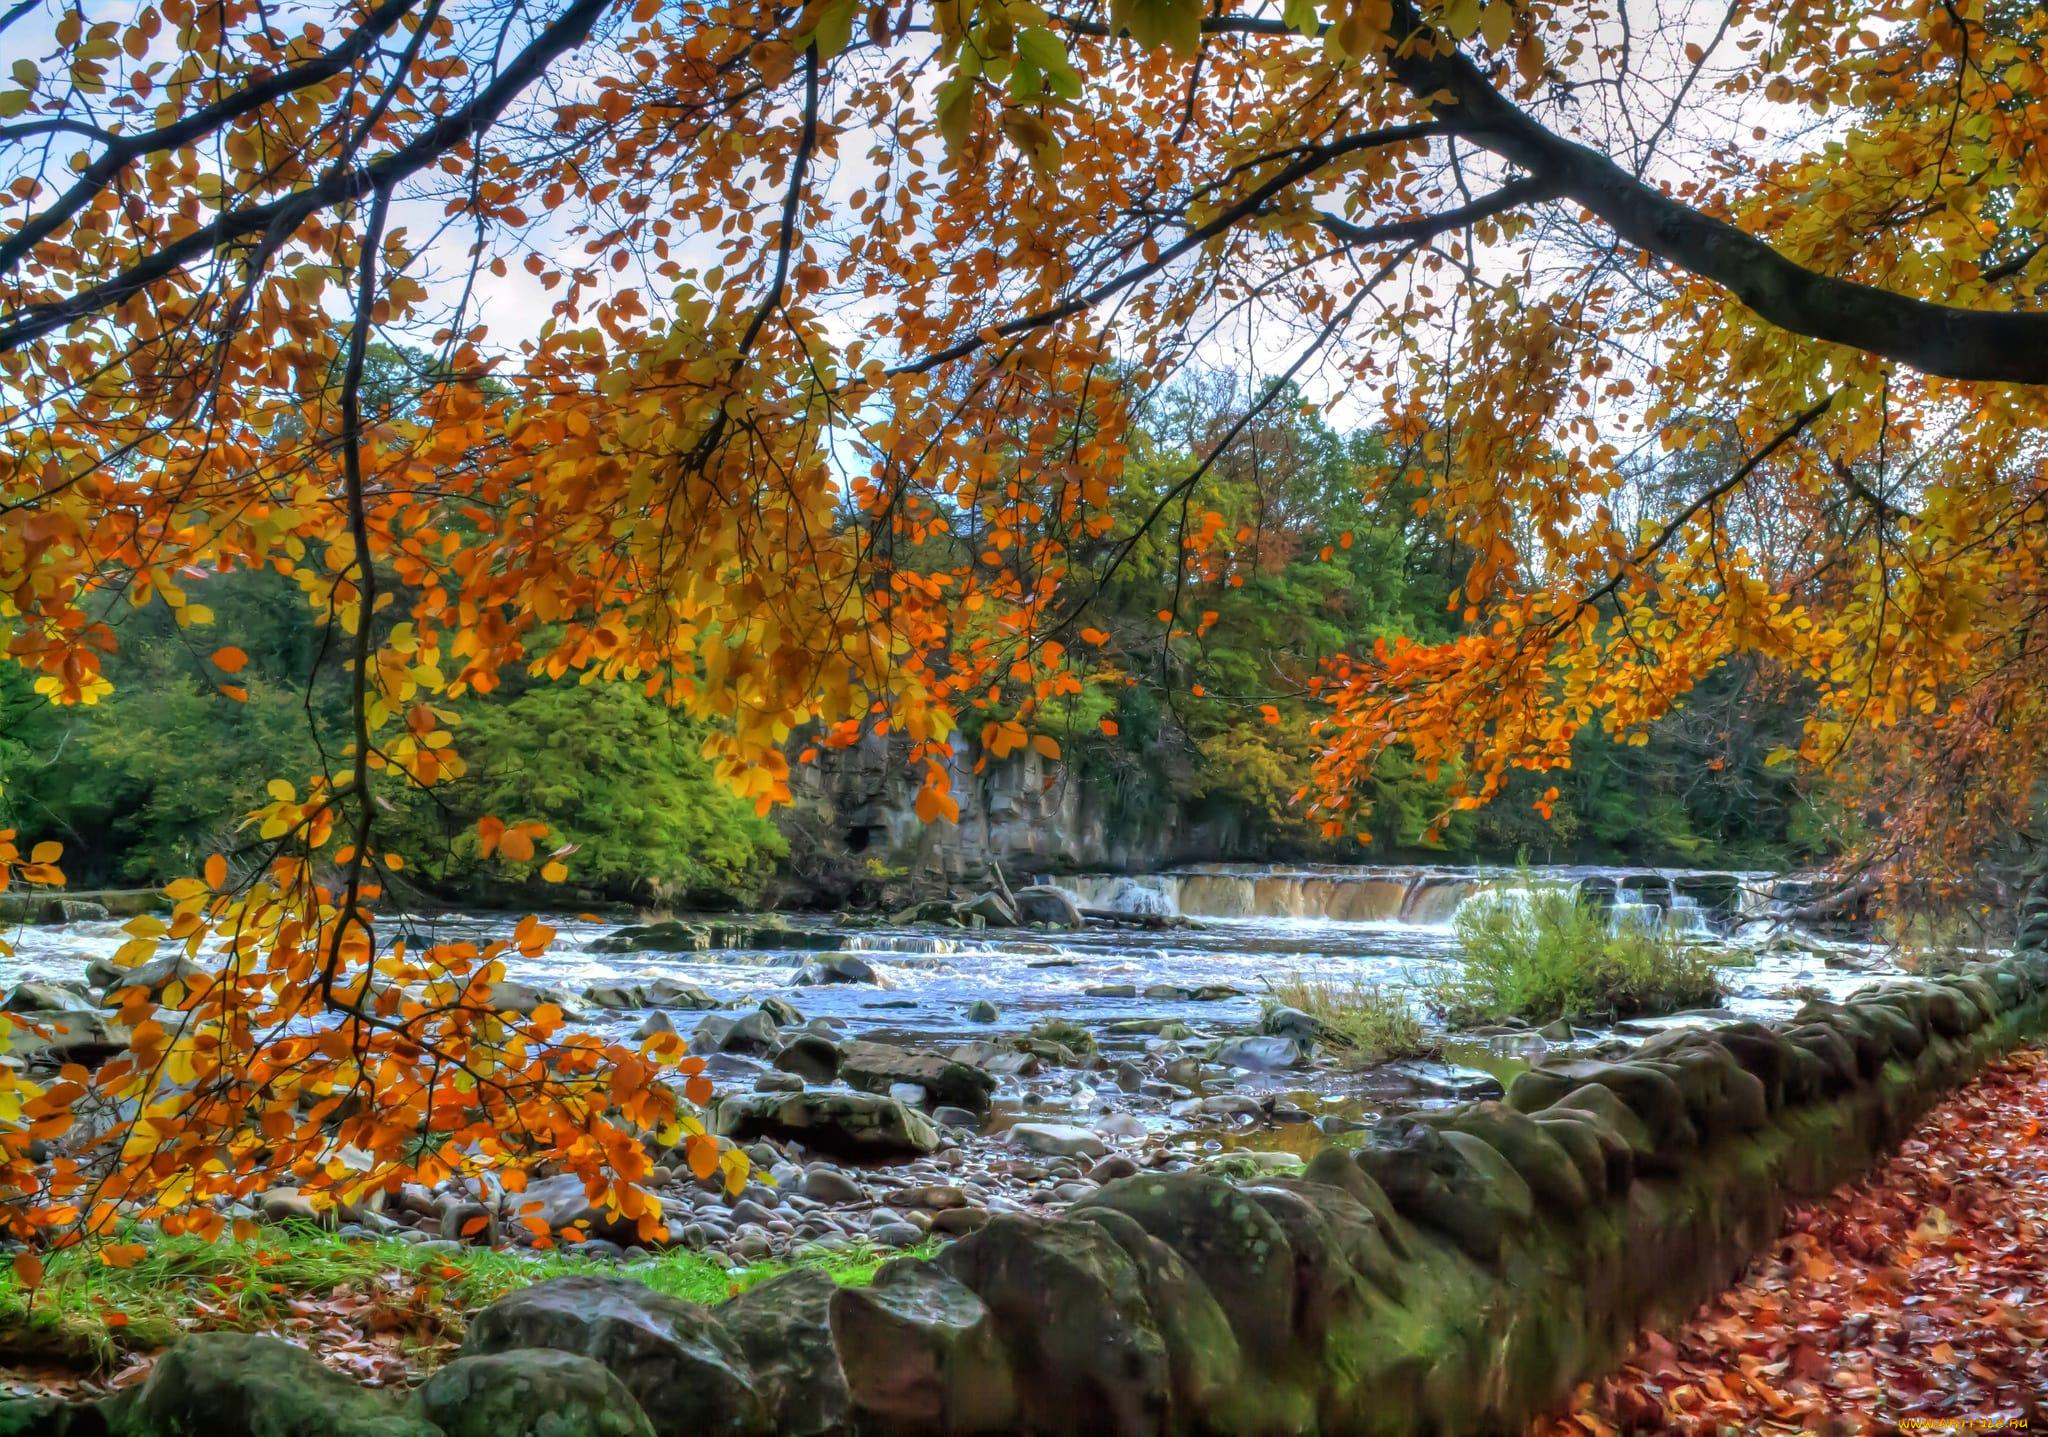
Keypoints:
pixel 1455 1274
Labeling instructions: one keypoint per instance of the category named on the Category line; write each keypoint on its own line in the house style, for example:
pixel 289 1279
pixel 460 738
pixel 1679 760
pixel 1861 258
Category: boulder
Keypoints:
pixel 919 1352
pixel 534 1392
pixel 1042 903
pixel 512 996
pixel 983 1011
pixel 668 993
pixel 87 1036
pixel 854 1125
pixel 784 1332
pixel 813 1058
pixel 166 979
pixel 1445 1080
pixel 840 968
pixel 1069 1308
pixel 682 1367
pixel 234 1384
pixel 1259 1054
pixel 1279 1021
pixel 560 1201
pixel 991 908
pixel 668 936
pixel 876 1067
pixel 35 997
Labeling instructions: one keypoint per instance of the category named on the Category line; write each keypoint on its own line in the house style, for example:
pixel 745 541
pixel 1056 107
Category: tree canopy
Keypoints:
pixel 785 362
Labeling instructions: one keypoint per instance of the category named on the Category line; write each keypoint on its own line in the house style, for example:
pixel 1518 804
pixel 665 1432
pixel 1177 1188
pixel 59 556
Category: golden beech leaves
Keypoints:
pixel 785 363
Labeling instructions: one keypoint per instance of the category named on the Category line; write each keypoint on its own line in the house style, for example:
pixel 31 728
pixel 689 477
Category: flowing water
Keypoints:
pixel 1246 925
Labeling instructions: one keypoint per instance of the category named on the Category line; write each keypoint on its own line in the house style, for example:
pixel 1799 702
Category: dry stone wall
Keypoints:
pixel 1458 1272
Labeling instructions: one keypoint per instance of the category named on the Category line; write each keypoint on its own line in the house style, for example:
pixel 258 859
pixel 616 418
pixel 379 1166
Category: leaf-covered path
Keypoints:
pixel 1920 1292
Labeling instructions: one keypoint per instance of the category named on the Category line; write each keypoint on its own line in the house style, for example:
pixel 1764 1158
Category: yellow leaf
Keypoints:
pixel 554 871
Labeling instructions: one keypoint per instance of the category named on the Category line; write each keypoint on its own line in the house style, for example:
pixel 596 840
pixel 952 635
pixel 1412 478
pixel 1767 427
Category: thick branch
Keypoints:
pixel 1937 339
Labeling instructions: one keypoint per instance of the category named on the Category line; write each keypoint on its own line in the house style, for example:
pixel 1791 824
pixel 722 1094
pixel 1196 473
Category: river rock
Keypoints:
pixel 167 979
pixel 513 996
pixel 1057 1140
pixel 877 1067
pixel 39 997
pixel 825 1183
pixel 1258 1054
pixel 534 1392
pixel 810 1057
pixel 233 1384
pixel 683 1368
pixel 841 968
pixel 756 1033
pixel 668 936
pixel 991 908
pixel 559 1201
pixel 1446 1080
pixel 1280 1021
pixel 839 1124
pixel 1042 903
pixel 983 1011
pixel 86 1036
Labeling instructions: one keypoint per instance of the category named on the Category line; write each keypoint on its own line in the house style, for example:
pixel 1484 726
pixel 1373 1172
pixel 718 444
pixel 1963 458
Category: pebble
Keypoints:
pixel 896 1234
pixel 828 1184
pixel 951 1117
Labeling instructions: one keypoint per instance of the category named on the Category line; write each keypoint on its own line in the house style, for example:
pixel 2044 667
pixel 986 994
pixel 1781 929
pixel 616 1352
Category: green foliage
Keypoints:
pixel 1544 953
pixel 612 774
pixel 144 785
pixel 1364 1023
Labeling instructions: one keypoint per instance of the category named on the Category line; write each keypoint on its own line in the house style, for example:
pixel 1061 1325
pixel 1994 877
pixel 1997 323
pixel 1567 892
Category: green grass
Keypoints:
pixel 86 1314
pixel 1362 1023
pixel 1546 954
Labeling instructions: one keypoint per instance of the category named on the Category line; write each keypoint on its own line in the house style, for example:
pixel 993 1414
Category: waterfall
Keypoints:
pixel 1425 897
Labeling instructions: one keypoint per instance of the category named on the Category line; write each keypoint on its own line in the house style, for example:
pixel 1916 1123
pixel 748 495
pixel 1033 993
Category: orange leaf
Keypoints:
pixel 216 872
pixel 230 660
pixel 701 1152
pixel 28 1268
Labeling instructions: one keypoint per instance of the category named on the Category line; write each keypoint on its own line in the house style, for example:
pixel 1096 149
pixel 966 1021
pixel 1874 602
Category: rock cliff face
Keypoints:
pixel 856 819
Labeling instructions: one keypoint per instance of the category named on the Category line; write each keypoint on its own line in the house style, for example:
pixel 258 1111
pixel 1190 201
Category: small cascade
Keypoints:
pixel 1687 917
pixel 1631 914
pixel 1693 903
pixel 922 944
pixel 1433 902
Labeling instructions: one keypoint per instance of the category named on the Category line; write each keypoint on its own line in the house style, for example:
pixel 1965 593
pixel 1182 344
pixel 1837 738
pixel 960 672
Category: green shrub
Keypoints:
pixel 1362 1023
pixel 1543 953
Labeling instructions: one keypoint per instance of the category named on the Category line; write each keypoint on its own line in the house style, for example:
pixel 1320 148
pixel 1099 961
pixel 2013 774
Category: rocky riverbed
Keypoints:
pixel 897 1080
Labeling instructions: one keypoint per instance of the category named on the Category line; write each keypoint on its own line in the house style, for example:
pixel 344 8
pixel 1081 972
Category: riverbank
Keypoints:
pixel 1917 1295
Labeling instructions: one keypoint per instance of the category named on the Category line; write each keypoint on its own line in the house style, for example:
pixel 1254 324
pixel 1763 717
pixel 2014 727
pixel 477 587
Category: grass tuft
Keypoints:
pixel 1543 953
pixel 1361 1023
